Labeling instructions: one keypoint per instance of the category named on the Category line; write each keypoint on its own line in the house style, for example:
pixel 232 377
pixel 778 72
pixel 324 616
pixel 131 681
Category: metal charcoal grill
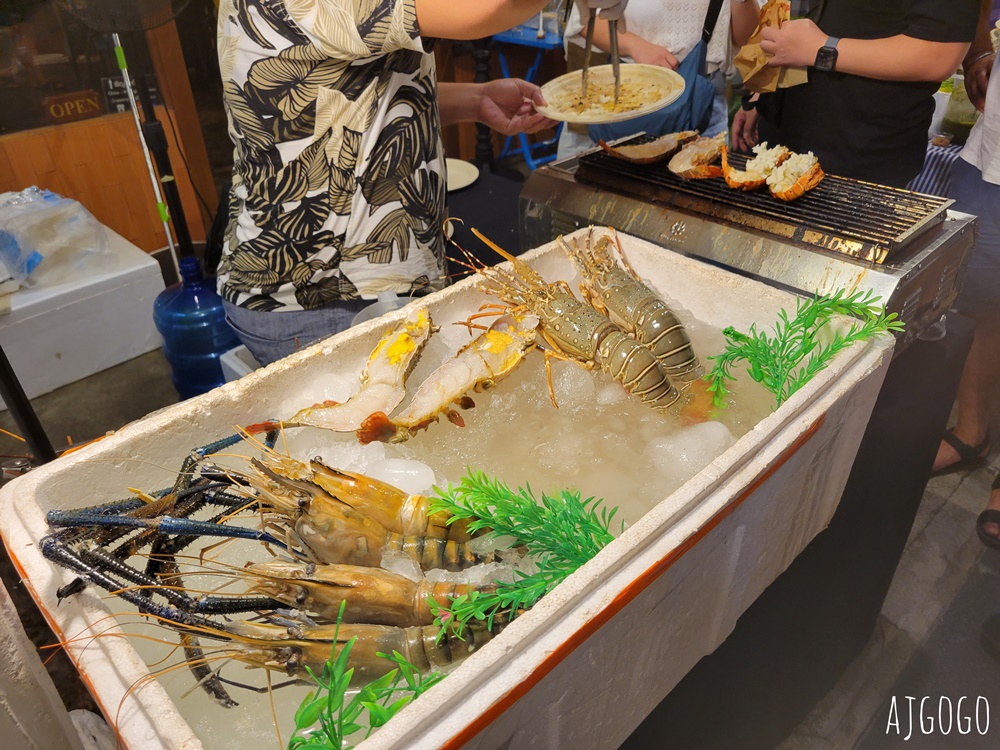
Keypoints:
pixel 861 219
pixel 906 247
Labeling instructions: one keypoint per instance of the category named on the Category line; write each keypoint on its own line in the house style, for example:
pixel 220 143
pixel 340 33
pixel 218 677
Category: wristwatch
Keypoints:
pixel 826 56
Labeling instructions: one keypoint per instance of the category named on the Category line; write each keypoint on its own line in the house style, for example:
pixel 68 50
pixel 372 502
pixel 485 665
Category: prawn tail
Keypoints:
pixel 377 427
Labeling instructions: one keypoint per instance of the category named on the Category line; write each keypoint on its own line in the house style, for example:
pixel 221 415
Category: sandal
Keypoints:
pixel 989 516
pixel 969 456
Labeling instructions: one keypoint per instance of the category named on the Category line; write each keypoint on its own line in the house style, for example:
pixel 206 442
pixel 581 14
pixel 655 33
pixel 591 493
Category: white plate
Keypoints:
pixel 560 91
pixel 461 174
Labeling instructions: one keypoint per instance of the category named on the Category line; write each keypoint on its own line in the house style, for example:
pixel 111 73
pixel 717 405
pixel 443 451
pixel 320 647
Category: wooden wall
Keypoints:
pixel 99 162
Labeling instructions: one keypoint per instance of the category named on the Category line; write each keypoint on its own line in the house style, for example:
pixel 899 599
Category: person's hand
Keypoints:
pixel 977 78
pixel 611 10
pixel 794 43
pixel 646 52
pixel 745 129
pixel 508 106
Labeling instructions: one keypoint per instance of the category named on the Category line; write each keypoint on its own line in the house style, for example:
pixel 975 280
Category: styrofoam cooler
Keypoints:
pixel 57 334
pixel 584 666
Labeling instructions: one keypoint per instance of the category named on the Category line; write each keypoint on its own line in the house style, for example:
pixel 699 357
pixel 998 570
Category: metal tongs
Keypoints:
pixel 615 62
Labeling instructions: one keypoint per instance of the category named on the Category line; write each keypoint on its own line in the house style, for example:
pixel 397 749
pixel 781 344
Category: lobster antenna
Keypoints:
pixel 494 246
pixel 470 261
pixel 520 266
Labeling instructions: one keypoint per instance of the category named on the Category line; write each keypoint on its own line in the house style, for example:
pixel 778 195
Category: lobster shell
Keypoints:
pixel 727 175
pixel 731 175
pixel 806 181
pixel 694 160
pixel 649 153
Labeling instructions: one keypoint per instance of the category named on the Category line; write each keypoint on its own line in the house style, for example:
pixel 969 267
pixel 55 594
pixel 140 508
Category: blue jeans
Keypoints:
pixel 272 335
pixel 980 294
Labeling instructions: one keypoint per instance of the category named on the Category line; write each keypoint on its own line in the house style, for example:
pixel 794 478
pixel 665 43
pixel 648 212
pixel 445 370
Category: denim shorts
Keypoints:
pixel 272 335
pixel 979 297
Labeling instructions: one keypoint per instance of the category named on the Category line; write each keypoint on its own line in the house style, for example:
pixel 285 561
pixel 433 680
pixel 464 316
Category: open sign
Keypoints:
pixel 78 105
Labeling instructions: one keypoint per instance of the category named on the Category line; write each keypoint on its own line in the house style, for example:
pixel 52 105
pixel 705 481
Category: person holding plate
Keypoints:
pixel 656 32
pixel 338 180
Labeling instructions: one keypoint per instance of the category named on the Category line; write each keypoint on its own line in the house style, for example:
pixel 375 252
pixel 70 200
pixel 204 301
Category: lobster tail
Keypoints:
pixel 377 427
pixel 637 370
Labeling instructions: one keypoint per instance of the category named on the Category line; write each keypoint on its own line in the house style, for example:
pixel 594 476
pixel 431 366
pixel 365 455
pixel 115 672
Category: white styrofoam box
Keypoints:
pixel 588 662
pixel 55 335
pixel 31 712
pixel 237 362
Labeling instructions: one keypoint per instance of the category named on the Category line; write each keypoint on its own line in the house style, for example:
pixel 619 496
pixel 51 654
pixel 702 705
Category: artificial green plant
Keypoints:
pixel 787 358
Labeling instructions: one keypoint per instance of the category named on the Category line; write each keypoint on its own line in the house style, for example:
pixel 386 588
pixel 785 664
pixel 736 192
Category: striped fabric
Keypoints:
pixel 935 177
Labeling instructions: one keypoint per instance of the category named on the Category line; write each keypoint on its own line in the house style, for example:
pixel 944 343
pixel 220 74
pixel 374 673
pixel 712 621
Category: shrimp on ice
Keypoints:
pixel 372 595
pixel 478 366
pixel 614 289
pixel 383 382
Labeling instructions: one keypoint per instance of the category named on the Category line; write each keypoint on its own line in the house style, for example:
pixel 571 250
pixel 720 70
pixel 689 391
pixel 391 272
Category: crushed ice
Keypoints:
pixel 413 477
pixel 402 565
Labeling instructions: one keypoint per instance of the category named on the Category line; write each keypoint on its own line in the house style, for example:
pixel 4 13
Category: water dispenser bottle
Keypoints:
pixel 192 322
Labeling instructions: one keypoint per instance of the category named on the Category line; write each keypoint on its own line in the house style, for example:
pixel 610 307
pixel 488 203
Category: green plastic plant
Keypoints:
pixel 792 354
pixel 337 717
pixel 560 534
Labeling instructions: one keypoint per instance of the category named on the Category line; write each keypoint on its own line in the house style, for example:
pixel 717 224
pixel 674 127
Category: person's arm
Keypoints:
pixel 475 19
pixel 894 58
pixel 743 20
pixel 978 62
pixel 506 105
pixel 634 46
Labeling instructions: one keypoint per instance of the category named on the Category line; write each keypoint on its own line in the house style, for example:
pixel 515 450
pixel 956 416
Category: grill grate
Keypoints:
pixel 861 219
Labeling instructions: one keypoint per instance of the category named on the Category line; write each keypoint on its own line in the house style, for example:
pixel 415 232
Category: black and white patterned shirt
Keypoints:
pixel 338 178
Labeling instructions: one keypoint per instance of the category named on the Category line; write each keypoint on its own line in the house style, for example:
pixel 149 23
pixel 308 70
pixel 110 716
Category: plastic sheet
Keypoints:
pixel 47 239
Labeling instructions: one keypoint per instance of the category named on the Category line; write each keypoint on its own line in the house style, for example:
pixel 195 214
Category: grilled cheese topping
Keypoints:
pixel 762 165
pixel 600 98
pixel 788 173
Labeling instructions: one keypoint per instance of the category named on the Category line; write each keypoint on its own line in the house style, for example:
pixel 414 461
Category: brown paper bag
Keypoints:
pixel 751 60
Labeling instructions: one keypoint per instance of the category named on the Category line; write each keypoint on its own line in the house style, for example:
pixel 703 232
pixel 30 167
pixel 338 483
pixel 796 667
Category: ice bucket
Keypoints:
pixel 584 666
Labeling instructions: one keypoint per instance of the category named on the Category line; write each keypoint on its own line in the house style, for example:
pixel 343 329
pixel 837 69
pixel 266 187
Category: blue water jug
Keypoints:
pixel 192 322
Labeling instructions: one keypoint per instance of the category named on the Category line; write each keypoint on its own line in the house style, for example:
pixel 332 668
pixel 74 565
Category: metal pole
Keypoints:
pixel 160 205
pixel 24 415
pixel 156 141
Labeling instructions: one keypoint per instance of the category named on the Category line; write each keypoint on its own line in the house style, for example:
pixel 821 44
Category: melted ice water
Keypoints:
pixel 601 441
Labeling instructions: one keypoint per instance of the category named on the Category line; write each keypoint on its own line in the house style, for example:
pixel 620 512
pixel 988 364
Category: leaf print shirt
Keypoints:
pixel 338 189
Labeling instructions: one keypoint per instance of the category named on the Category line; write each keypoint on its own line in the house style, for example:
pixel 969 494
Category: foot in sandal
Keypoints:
pixel 988 523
